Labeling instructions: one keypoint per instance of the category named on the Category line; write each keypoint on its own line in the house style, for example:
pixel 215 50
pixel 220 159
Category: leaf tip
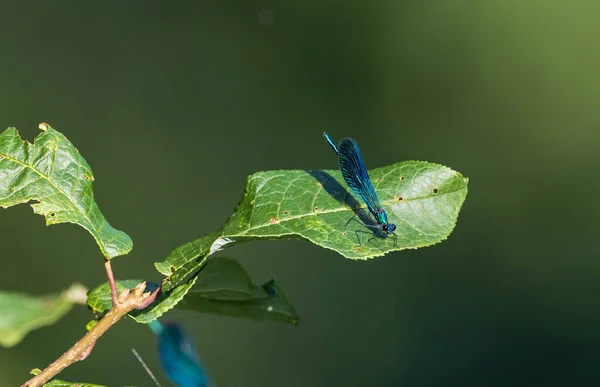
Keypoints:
pixel 77 294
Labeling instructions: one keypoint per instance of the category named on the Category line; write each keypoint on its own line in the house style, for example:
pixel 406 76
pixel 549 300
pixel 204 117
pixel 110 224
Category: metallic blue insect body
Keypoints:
pixel 178 356
pixel 356 176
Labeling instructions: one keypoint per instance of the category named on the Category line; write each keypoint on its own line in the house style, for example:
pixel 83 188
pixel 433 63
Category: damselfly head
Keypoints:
pixel 389 228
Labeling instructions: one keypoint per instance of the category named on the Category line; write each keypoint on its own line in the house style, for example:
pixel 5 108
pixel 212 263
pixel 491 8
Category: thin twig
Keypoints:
pixel 126 302
pixel 111 281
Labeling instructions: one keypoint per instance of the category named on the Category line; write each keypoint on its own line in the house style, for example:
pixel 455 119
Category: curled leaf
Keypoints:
pixel 52 173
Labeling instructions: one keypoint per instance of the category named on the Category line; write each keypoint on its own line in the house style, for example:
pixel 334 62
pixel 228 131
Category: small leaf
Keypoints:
pixel 422 199
pixel 62 383
pixel 20 314
pixel 274 307
pixel 90 325
pixel 100 301
pixel 53 173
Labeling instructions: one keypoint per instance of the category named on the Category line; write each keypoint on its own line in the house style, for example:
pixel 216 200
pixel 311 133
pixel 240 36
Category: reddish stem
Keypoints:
pixel 111 281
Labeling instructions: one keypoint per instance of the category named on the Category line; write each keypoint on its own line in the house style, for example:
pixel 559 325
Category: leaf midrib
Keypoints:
pixel 345 208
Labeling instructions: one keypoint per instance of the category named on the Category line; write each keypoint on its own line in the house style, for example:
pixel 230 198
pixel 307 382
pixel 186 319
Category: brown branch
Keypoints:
pixel 127 301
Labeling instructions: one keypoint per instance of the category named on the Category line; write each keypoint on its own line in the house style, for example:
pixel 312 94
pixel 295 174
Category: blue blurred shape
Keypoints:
pixel 178 356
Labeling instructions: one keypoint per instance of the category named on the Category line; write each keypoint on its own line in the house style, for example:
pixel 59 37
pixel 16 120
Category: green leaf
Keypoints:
pixel 422 199
pixel 163 303
pixel 62 383
pixel 225 279
pixel 182 261
pixel 91 324
pixel 53 173
pixel 221 287
pixel 20 313
pixel 100 301
pixel 274 307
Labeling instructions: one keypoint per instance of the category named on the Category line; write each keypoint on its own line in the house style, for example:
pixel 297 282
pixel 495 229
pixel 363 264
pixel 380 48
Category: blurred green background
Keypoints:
pixel 173 105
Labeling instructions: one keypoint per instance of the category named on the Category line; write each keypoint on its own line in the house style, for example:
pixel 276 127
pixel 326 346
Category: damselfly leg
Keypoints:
pixel 376 231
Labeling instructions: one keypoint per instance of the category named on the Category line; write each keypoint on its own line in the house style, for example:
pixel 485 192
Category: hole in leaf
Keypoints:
pixel 85 176
pixel 399 199
pixel 52 214
pixel 435 190
pixel 402 178
pixel 316 208
pixel 285 212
